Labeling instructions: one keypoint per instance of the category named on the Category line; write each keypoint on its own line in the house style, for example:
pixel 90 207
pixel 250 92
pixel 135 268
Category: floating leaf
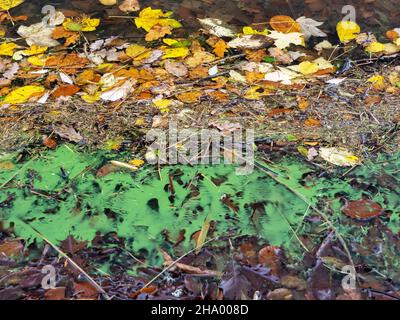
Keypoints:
pixel 284 24
pixel 284 40
pixel 363 209
pixel 347 30
pixel 157 32
pixel 8 4
pixel 149 17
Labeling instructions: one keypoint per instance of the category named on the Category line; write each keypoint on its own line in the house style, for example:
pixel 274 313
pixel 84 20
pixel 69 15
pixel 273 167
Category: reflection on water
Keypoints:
pixel 375 15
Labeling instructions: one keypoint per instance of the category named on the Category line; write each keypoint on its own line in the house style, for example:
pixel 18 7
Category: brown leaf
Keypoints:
pixel 55 294
pixel 284 24
pixel 280 294
pixel 129 6
pixel 11 248
pixel 270 256
pixel 186 268
pixel 189 97
pixel 363 209
pixel 70 245
pixel 65 91
pixel 49 143
pixel 85 290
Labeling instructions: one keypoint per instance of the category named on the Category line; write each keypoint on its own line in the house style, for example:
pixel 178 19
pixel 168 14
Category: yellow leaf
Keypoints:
pixel 149 17
pixel 85 25
pixel 347 30
pixel 8 4
pixel 91 98
pixel 136 162
pixel 162 103
pixel 7 48
pixel 38 61
pixel 34 49
pixel 256 93
pixel 250 30
pixel 378 82
pixel 175 52
pixel 89 24
pixel 136 50
pixel 220 48
pixel 375 47
pixel 22 95
pixel 308 67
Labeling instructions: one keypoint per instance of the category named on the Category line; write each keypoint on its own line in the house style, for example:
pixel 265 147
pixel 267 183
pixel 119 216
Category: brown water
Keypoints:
pixel 373 15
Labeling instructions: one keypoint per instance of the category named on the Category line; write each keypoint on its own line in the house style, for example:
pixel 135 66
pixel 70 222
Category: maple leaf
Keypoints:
pixel 284 40
pixel 309 27
pixel 157 32
pixel 220 48
pixel 149 17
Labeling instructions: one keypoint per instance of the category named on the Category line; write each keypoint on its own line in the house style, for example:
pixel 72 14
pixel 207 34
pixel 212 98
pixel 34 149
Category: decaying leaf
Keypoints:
pixel 363 209
pixel 339 157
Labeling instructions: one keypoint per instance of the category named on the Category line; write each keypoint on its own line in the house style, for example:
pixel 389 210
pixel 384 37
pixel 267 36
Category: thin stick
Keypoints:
pixel 174 263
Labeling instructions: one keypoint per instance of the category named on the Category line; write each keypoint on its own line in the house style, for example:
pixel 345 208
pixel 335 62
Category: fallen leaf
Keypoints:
pixel 178 69
pixel 189 97
pixel 347 30
pixel 149 17
pixel 176 52
pixel 11 248
pixel 8 4
pixel 363 209
pixel 65 91
pixel 7 49
pixel 68 133
pixel 217 28
pixel 129 6
pixel 118 93
pixel 309 27
pixel 284 40
pixel 284 24
pixel 308 68
pixel 339 156
pixel 220 48
pixel 158 32
pixel 23 94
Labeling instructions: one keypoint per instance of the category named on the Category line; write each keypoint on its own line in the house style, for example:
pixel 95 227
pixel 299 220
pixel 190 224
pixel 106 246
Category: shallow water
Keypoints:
pixel 372 15
pixel 139 206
